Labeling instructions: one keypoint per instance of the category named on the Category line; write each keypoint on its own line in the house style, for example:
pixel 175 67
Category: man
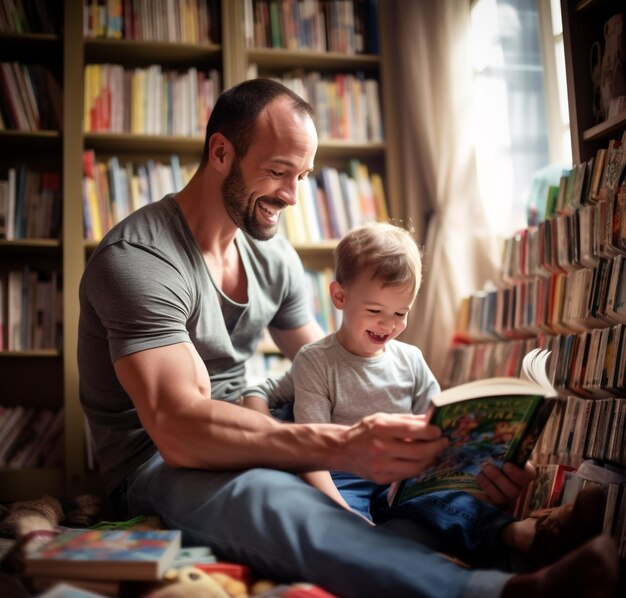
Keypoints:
pixel 173 302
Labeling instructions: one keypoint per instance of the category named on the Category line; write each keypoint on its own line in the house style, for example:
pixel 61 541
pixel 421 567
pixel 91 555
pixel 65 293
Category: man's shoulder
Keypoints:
pixel 145 226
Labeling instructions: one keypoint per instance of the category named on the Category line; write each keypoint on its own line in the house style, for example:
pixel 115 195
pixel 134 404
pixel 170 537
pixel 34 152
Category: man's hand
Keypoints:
pixel 503 486
pixel 387 447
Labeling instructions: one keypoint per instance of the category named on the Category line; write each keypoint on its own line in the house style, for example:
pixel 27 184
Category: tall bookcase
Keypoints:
pixel 563 287
pixel 50 378
pixel 33 378
pixel 583 25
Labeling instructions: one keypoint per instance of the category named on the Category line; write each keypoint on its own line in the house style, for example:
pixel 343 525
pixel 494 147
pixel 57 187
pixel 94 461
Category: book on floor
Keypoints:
pixel 494 420
pixel 68 590
pixel 105 554
pixel 192 556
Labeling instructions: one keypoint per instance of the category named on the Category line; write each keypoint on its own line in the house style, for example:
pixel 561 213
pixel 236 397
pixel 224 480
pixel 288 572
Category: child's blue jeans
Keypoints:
pixel 453 522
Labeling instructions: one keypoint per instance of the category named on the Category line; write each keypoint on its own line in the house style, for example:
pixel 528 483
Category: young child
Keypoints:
pixel 363 369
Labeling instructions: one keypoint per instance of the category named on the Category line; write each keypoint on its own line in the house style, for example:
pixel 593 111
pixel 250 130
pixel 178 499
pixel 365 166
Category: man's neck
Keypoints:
pixel 203 209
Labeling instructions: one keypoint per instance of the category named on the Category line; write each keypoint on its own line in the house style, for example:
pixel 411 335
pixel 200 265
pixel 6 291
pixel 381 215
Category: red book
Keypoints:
pixel 306 590
pixel 235 570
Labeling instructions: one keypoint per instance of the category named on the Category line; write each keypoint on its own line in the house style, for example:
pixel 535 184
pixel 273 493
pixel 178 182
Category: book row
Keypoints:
pixel 589 364
pixel 585 220
pixel 346 26
pixel 111 190
pixel 333 202
pixel 31 310
pixel 582 428
pixel 149 101
pixel 30 204
pixel 28 16
pixel 563 303
pixel 168 102
pixel 30 98
pixel 347 106
pixel 328 205
pixel 476 361
pixel 589 182
pixel 174 21
pixel 568 241
pixel 592 363
pixel 30 437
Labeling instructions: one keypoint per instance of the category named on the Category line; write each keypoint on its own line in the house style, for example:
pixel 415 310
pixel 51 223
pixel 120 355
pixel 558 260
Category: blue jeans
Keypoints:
pixel 288 531
pixel 454 522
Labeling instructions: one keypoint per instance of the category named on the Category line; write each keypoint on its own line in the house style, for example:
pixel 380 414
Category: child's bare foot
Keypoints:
pixel 591 570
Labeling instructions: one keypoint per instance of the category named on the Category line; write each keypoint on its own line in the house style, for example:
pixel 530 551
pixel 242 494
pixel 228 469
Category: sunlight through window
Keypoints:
pixel 517 130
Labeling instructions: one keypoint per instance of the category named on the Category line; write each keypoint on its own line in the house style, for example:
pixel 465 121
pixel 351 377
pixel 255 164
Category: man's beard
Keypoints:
pixel 241 213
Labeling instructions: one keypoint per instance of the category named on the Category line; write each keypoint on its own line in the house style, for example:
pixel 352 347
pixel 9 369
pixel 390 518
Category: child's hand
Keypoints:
pixel 503 486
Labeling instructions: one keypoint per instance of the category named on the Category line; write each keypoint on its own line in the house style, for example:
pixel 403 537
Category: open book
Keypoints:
pixel 494 420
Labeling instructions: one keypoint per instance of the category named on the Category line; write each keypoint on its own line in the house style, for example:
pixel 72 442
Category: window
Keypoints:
pixel 520 117
pixel 551 26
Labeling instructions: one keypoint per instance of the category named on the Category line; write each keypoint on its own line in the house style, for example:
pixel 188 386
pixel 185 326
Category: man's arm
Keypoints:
pixel 290 341
pixel 171 390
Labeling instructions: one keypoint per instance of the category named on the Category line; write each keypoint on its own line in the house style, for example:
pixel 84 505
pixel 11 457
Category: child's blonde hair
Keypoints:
pixel 389 251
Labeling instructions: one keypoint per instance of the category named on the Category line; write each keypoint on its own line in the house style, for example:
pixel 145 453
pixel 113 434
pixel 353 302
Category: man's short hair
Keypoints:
pixel 236 111
pixel 387 250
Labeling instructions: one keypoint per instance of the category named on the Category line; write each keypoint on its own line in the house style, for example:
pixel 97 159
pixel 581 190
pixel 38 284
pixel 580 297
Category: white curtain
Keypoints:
pixel 428 46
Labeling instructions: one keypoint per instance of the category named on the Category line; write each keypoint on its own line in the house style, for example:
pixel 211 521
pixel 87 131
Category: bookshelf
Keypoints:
pixel 293 52
pixel 32 371
pixel 583 23
pixel 48 378
pixel 563 287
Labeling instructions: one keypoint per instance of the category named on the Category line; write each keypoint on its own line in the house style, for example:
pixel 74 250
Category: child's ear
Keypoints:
pixel 337 295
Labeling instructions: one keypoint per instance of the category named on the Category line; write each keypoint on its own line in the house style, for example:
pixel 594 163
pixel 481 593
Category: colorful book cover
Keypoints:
pixel 497 420
pixel 490 429
pixel 105 554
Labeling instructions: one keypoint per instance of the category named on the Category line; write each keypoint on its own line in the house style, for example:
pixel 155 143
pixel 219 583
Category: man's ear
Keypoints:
pixel 337 294
pixel 221 152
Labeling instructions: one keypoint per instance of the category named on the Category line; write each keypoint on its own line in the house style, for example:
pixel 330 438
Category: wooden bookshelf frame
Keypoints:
pixel 68 54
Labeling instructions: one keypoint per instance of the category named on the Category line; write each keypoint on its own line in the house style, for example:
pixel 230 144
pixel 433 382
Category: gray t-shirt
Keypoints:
pixel 147 286
pixel 334 386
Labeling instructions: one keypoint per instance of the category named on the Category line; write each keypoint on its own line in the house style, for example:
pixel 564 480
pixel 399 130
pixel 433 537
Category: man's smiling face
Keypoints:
pixel 265 181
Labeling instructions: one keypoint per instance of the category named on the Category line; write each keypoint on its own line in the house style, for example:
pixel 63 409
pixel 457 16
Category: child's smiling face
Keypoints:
pixel 373 314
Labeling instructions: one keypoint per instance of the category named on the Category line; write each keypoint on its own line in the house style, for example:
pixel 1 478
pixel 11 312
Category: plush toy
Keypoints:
pixel 261 587
pixel 191 582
